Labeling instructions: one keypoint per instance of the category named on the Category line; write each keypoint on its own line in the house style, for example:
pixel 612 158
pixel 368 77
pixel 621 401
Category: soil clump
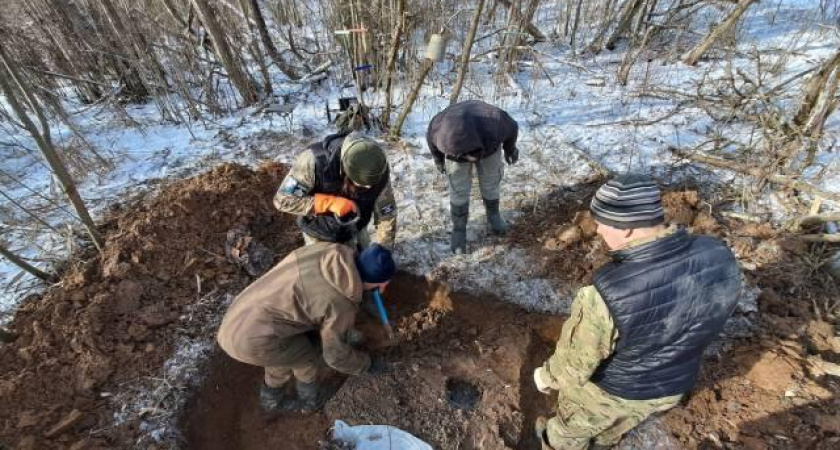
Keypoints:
pixel 115 317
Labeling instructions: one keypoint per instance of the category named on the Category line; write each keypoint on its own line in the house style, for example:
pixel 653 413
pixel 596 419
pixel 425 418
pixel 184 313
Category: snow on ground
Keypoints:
pixel 576 114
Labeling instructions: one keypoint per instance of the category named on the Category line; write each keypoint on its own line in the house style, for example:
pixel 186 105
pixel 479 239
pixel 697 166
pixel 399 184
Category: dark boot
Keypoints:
pixel 497 224
pixel 458 240
pixel 311 396
pixel 275 399
pixel 540 426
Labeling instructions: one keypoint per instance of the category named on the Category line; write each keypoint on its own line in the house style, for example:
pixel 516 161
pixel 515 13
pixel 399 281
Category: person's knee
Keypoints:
pixel 562 437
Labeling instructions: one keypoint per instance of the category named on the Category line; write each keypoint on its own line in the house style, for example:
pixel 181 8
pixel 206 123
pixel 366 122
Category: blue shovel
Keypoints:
pixel 383 315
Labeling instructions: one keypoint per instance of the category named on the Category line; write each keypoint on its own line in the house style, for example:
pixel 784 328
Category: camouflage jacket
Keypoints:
pixel 300 202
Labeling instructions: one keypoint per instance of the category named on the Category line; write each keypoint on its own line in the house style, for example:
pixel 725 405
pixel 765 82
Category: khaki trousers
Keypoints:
pixel 489 170
pixel 300 358
pixel 591 414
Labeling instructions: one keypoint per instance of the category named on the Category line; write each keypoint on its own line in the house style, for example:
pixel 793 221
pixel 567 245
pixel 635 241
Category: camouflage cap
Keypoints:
pixel 363 160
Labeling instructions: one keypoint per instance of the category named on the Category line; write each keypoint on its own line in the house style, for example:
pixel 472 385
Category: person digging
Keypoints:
pixel 311 295
pixel 336 187
pixel 466 135
pixel 634 340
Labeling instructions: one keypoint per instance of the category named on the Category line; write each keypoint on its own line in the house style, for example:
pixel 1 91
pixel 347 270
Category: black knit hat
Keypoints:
pixel 628 202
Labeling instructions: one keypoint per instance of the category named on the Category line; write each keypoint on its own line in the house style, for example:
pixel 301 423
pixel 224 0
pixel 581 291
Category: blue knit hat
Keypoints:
pixel 375 264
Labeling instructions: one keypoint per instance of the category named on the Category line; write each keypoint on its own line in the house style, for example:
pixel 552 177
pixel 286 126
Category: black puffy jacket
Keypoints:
pixel 669 299
pixel 471 130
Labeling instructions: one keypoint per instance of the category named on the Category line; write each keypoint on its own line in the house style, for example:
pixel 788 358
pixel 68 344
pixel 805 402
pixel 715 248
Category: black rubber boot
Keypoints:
pixel 458 240
pixel 311 396
pixel 275 399
pixel 497 224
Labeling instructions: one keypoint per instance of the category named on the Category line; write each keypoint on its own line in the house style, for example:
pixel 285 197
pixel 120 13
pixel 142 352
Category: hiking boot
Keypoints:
pixel 311 396
pixel 275 399
pixel 458 240
pixel 498 225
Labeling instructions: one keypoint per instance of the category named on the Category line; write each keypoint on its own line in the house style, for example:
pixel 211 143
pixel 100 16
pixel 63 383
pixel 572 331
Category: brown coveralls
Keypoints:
pixel 315 288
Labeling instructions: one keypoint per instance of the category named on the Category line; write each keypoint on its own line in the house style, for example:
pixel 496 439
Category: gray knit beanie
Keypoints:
pixel 628 202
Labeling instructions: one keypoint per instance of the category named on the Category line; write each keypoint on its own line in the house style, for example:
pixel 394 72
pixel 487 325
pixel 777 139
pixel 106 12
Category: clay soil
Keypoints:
pixel 460 362
pixel 114 317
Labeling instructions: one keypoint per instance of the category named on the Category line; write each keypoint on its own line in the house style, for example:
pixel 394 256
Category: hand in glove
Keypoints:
pixel 512 156
pixel 378 366
pixel 441 166
pixel 541 386
pixel 339 206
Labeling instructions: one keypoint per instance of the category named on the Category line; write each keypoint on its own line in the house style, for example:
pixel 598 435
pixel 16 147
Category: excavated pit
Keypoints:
pixel 459 378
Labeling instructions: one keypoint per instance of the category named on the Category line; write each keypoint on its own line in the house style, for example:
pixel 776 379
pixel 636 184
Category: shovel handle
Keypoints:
pixel 380 306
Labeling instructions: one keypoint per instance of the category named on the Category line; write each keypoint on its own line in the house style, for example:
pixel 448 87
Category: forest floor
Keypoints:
pixel 121 353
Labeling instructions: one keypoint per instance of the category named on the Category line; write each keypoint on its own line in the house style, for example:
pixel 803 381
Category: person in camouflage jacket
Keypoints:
pixel 634 340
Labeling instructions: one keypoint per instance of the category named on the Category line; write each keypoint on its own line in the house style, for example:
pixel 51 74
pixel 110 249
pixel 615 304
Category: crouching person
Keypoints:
pixel 310 296
pixel 633 343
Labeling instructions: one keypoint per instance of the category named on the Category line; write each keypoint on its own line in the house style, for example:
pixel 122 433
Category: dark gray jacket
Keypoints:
pixel 469 131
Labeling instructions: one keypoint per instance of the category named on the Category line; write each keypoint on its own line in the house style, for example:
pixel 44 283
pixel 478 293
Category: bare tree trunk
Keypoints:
pixel 695 54
pixel 573 32
pixel 631 9
pixel 530 28
pixel 288 70
pixel 392 60
pixel 465 55
pixel 18 261
pixel 237 76
pixel 814 89
pixel 412 97
pixel 134 82
pixel 12 85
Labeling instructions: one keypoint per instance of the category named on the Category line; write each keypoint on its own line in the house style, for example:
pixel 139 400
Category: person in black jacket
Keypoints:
pixel 634 340
pixel 469 134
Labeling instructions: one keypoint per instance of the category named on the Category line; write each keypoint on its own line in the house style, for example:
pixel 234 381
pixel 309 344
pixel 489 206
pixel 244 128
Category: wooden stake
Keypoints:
pixel 424 71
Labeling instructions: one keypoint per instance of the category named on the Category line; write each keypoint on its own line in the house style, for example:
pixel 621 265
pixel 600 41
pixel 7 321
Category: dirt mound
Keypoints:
pixel 563 232
pixel 460 379
pixel 113 318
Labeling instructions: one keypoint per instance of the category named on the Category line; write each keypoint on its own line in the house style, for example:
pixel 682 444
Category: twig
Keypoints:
pixel 593 163
pixel 756 172
pixel 641 123
pixel 820 237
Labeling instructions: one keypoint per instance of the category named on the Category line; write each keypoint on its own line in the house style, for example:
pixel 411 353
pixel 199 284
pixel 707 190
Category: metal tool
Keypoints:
pixel 383 315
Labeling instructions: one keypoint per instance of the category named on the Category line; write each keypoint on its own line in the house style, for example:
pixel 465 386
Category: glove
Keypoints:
pixel 441 166
pixel 542 387
pixel 339 206
pixel 353 337
pixel 378 366
pixel 512 156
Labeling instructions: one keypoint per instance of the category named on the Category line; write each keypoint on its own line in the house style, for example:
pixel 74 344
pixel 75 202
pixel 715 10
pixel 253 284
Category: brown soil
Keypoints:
pixel 113 319
pixel 460 378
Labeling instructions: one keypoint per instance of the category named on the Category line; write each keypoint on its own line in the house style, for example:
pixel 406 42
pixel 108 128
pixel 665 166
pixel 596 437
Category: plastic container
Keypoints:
pixel 436 48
